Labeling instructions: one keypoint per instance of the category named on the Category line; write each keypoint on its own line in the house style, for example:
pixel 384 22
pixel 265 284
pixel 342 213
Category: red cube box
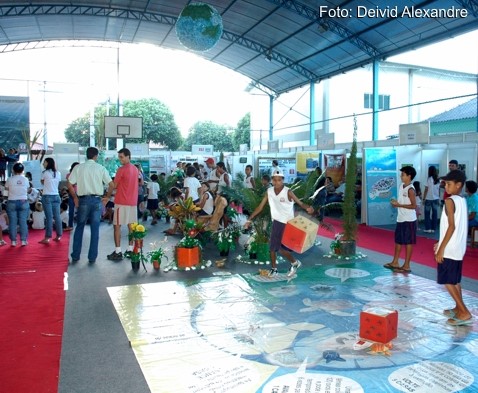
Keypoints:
pixel 379 324
pixel 299 234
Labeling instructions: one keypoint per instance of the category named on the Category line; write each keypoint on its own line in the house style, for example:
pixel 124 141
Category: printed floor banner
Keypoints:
pixel 253 333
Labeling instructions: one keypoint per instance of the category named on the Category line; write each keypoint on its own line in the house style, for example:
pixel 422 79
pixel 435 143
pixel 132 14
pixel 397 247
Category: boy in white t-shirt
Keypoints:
pixel 153 201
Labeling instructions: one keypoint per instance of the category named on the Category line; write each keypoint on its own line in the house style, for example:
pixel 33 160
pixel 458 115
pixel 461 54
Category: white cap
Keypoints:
pixel 277 173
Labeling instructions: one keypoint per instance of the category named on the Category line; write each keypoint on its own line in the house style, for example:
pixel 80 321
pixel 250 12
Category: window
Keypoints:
pixel 383 101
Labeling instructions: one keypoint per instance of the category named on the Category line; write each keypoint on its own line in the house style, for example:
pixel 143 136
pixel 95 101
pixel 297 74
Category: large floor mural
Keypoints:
pixel 251 333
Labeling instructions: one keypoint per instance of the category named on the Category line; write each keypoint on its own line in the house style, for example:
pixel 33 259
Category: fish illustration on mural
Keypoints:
pixel 330 356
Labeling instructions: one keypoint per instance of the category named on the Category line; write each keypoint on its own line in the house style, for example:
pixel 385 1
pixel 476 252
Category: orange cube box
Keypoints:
pixel 379 324
pixel 299 234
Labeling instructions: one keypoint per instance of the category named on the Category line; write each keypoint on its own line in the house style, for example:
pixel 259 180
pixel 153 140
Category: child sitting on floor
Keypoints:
pixel 38 217
pixel 3 224
pixel 64 215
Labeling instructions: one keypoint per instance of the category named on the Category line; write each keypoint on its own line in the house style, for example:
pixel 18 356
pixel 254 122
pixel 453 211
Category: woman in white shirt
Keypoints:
pixel 17 204
pixel 431 199
pixel 51 200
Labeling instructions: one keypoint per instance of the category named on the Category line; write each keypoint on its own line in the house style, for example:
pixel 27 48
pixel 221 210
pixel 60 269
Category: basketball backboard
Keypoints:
pixel 123 127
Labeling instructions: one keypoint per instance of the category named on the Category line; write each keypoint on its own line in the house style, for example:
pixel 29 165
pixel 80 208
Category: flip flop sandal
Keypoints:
pixel 401 270
pixel 449 313
pixel 460 322
pixel 390 266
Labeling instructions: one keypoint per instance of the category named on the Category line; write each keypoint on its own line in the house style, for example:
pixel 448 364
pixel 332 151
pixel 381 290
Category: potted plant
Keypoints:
pixel 226 239
pixel 336 244
pixel 258 244
pixel 137 234
pixel 156 255
pixel 188 249
pixel 349 209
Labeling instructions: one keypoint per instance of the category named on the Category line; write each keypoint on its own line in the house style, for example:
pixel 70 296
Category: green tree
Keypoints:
pixel 159 125
pixel 209 133
pixel 79 131
pixel 242 133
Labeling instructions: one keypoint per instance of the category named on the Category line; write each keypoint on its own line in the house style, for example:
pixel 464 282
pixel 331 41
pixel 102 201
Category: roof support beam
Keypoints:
pixel 329 24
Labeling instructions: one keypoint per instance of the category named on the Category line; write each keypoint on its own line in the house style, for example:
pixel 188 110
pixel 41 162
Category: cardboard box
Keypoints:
pixel 299 234
pixel 379 325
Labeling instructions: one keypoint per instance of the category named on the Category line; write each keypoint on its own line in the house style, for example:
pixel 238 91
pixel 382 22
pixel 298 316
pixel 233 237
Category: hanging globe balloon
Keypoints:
pixel 199 27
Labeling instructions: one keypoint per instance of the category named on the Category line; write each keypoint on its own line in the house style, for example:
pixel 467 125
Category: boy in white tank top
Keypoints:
pixel 451 247
pixel 281 202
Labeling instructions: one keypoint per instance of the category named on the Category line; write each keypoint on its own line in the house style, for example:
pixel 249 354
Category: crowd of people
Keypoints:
pixel 54 209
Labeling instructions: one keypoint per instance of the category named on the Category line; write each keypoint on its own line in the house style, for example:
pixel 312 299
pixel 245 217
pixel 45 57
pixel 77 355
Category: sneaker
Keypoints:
pixel 273 272
pixel 293 268
pixel 427 231
pixel 115 256
pixel 24 243
pixel 13 244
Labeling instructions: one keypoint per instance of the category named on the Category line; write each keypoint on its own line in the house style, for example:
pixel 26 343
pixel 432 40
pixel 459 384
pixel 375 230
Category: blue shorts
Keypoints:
pixel 152 204
pixel 449 271
pixel 275 244
pixel 406 232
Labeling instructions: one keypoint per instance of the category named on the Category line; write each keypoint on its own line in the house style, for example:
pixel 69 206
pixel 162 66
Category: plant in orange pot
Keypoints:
pixel 188 249
pixel 156 255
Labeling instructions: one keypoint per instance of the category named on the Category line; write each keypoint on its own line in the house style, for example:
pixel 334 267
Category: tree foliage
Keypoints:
pixel 242 133
pixel 209 133
pixel 79 131
pixel 159 125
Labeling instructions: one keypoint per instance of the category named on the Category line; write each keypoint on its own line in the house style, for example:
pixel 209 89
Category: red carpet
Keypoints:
pixel 32 301
pixel 382 240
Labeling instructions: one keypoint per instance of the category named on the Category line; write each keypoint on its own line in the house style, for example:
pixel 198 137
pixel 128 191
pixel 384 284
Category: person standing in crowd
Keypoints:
pixel 191 184
pixel 3 164
pixel 12 158
pixel 472 203
pixel 224 179
pixel 249 181
pixel 281 202
pixel 452 166
pixel 406 229
pixel 17 205
pixel 71 201
pixel 86 185
pixel 153 201
pixel 126 198
pixel 274 167
pixel 431 198
pixel 451 247
pixel 50 179
pixel 141 190
pixel 213 178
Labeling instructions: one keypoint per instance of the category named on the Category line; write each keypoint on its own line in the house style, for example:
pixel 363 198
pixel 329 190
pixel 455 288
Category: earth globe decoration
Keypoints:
pixel 199 27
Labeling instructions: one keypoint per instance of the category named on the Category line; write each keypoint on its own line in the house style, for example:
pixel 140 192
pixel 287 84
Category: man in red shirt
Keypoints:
pixel 126 198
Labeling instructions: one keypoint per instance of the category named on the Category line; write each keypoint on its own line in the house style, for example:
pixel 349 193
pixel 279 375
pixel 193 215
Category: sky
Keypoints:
pixel 65 83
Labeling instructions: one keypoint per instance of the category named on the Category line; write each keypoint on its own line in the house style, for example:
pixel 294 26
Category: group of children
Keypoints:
pixel 451 246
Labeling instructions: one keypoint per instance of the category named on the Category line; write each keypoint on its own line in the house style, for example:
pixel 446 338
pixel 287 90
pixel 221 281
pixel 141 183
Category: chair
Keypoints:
pixel 474 236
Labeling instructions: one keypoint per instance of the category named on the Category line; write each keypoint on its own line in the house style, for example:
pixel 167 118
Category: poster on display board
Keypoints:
pixel 286 165
pixel 307 162
pixel 335 167
pixel 381 181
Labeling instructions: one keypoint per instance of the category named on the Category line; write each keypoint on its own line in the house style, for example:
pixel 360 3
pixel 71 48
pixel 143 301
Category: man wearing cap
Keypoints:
pixel 214 177
pixel 281 202
pixel 90 179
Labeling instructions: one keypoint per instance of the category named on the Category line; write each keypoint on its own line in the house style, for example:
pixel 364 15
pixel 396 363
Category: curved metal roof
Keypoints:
pixel 279 44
